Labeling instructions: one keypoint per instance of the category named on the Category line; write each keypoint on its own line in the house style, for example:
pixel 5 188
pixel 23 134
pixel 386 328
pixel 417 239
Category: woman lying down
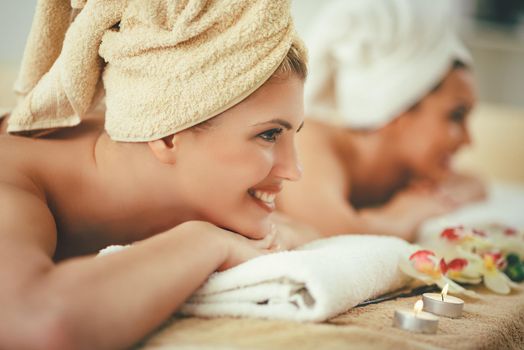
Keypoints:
pixel 389 97
pixel 198 139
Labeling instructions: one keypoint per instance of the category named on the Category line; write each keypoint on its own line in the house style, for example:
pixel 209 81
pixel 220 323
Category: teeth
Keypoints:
pixel 264 196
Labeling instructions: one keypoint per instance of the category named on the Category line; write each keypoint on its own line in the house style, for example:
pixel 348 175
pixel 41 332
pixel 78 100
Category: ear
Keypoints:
pixel 165 149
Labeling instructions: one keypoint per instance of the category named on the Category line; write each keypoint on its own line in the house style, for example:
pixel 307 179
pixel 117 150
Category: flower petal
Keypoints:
pixel 457 264
pixel 443 266
pixel 510 231
pixel 450 233
pixel 421 254
pixel 455 288
pixel 497 282
pixel 407 267
pixel 469 280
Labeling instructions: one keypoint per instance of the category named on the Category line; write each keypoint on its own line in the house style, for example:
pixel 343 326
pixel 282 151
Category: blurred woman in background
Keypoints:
pixel 389 95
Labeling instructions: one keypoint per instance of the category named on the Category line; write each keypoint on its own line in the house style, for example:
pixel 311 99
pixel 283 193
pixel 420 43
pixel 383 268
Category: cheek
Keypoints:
pixel 430 142
pixel 455 133
pixel 227 203
pixel 242 167
pixel 445 139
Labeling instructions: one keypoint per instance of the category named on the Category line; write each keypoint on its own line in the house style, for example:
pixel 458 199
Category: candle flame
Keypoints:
pixel 419 305
pixel 444 291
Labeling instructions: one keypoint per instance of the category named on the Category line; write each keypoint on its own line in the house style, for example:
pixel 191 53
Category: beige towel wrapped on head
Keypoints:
pixel 169 64
pixel 51 20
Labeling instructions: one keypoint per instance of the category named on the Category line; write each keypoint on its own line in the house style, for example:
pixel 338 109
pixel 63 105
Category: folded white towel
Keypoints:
pixel 316 282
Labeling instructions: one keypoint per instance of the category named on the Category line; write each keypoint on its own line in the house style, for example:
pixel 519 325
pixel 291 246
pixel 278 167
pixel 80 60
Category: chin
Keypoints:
pixel 436 174
pixel 253 224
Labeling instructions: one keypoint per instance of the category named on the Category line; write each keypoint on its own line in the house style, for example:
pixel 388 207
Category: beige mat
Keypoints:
pixel 496 322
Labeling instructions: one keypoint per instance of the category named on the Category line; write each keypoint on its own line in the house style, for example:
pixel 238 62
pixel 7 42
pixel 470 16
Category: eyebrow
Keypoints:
pixel 463 105
pixel 465 100
pixel 281 122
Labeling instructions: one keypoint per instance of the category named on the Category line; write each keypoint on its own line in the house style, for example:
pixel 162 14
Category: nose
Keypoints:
pixel 287 165
pixel 459 135
pixel 464 138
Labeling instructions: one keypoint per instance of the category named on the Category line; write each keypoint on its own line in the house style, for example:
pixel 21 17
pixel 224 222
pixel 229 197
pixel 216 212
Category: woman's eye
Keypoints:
pixel 458 115
pixel 270 135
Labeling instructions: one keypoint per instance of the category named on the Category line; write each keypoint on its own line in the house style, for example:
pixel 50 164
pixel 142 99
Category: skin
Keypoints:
pixel 64 197
pixel 386 181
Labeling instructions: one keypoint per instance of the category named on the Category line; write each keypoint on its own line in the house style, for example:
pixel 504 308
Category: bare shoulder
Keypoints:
pixel 31 174
pixel 34 157
pixel 25 219
pixel 320 155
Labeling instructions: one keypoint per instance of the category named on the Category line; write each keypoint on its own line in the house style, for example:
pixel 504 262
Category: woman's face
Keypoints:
pixel 437 127
pixel 233 167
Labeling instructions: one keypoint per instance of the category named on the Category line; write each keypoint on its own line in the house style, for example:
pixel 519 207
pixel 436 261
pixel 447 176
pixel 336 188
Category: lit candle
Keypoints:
pixel 416 320
pixel 443 304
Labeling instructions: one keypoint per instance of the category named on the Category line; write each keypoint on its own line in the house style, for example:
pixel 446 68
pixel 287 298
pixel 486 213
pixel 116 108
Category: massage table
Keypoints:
pixel 493 322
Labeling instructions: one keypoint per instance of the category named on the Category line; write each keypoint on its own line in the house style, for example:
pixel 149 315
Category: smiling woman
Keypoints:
pixel 253 152
pixel 187 164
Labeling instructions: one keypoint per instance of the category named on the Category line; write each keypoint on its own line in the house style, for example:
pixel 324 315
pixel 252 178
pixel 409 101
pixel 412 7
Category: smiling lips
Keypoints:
pixel 265 199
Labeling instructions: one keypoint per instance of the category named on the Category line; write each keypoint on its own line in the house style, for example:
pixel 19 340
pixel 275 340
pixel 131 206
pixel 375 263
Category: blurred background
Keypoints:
pixel 492 29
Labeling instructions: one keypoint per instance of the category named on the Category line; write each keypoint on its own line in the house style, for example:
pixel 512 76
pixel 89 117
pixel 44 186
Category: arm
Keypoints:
pixel 321 199
pixel 330 212
pixel 104 303
pixel 462 189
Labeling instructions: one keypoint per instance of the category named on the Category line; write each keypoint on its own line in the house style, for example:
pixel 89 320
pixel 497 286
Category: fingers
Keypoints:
pixel 276 248
pixel 272 242
pixel 464 193
pixel 267 241
pixel 422 185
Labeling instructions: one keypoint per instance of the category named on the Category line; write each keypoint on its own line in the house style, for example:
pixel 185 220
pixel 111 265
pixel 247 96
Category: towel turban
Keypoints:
pixel 371 60
pixel 166 64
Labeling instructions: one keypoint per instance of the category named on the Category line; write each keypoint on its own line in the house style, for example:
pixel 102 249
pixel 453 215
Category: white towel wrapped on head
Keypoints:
pixel 371 60
pixel 319 281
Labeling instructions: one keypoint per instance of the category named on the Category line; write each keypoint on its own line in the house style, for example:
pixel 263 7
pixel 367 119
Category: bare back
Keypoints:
pixel 325 180
pixel 49 183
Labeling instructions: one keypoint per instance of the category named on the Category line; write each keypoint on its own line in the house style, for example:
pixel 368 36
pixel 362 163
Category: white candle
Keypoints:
pixel 416 320
pixel 443 304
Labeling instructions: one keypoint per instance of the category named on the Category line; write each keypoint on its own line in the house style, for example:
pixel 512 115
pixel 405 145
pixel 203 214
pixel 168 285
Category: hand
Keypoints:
pixel 290 234
pixel 409 208
pixel 240 249
pixel 462 189
pixel 420 202
pixel 285 235
pixel 233 248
